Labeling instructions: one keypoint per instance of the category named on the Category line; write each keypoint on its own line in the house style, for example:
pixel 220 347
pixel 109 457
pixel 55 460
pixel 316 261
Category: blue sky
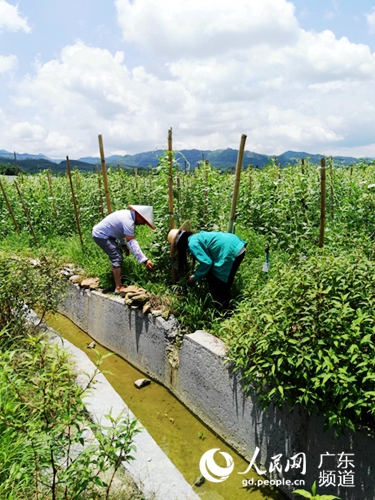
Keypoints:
pixel 291 75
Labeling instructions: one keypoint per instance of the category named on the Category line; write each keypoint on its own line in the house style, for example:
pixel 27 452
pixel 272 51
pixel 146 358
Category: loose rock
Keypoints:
pixel 142 382
pixel 91 283
pixel 199 480
pixel 146 308
pixel 134 289
pixel 76 278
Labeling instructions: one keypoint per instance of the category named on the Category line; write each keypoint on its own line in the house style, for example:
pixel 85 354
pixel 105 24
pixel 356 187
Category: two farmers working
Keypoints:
pixel 218 254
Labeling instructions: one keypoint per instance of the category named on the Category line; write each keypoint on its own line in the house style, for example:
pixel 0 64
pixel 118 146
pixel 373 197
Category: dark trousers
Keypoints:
pixel 220 290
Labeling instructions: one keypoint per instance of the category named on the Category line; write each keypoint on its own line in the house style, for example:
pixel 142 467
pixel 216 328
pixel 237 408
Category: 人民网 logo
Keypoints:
pixel 213 472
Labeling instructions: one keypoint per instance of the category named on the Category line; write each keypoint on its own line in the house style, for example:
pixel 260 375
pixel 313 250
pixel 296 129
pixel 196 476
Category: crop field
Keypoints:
pixel 301 333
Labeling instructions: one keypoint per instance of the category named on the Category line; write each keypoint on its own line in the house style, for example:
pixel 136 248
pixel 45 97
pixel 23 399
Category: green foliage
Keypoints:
pixel 36 283
pixel 308 337
pixel 46 446
pixel 313 495
pixel 9 169
pixel 42 411
pixel 302 333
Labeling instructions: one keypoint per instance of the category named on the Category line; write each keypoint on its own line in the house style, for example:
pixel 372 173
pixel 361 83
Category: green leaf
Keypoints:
pixel 303 493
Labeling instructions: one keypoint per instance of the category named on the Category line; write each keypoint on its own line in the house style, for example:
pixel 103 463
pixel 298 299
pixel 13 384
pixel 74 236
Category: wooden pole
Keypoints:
pixel 178 181
pixel 250 180
pixel 236 183
pixel 26 213
pixel 331 188
pixel 205 199
pixel 170 193
pixel 51 192
pixel 322 200
pixel 9 208
pixel 136 180
pixel 250 188
pixel 170 179
pixel 104 170
pixel 74 199
pixel 100 194
pixel 303 167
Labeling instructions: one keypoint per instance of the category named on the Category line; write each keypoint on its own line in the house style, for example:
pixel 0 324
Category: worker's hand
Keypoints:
pixel 191 280
pixel 149 264
pixel 125 249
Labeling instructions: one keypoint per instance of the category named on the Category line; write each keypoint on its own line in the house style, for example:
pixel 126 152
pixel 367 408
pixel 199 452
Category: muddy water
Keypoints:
pixel 182 437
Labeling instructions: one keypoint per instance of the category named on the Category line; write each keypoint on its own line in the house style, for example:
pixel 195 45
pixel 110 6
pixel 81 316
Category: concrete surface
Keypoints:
pixel 152 471
pixel 205 382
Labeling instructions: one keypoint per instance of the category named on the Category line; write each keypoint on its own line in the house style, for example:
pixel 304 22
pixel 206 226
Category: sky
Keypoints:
pixel 290 75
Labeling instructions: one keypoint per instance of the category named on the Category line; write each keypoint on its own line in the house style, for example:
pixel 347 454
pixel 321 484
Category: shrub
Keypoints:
pixel 308 337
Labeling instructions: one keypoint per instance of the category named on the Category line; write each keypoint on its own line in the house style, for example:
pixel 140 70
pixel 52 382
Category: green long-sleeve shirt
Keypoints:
pixel 215 252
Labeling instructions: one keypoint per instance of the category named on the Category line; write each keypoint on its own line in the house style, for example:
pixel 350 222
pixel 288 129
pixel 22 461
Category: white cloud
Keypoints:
pixel 192 28
pixel 371 21
pixel 7 63
pixel 10 18
pixel 212 73
pixel 87 92
pixel 27 131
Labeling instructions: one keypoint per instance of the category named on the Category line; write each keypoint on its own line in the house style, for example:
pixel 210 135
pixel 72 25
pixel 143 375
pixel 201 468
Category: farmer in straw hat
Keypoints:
pixel 116 233
pixel 219 256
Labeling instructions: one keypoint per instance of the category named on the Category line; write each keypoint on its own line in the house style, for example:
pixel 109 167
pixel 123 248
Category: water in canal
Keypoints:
pixel 182 436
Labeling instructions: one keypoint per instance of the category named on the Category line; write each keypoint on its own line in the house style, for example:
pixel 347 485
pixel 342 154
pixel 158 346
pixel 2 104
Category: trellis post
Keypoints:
pixel 9 208
pixel 74 200
pixel 104 170
pixel 236 183
pixel 26 213
pixel 322 200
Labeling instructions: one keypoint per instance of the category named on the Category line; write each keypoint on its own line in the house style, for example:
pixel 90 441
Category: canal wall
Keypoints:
pixel 285 446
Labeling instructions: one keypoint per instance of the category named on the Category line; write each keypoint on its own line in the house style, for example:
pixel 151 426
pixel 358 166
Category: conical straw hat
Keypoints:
pixel 146 212
pixel 173 233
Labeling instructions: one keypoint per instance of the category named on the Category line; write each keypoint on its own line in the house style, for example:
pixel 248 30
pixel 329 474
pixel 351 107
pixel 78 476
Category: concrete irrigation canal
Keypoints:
pixel 272 447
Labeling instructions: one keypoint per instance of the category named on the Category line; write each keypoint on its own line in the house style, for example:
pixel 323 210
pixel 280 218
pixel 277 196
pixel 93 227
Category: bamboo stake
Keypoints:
pixel 136 180
pixel 322 200
pixel 331 188
pixel 237 183
pixel 170 179
pixel 205 199
pixel 170 194
pixel 51 192
pixel 178 181
pixel 26 213
pixel 104 170
pixel 303 167
pixel 74 199
pixel 100 194
pixel 9 208
pixel 250 188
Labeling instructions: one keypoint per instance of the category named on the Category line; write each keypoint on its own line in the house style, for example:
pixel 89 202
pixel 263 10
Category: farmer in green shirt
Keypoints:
pixel 219 256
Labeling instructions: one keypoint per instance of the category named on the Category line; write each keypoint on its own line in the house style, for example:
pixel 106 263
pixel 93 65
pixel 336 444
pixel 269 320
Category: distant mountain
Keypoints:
pixel 34 164
pixel 22 156
pixel 220 158
pixel 187 159
pixel 293 157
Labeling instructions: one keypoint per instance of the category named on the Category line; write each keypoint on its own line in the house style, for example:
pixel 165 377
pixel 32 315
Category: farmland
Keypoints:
pixel 303 333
